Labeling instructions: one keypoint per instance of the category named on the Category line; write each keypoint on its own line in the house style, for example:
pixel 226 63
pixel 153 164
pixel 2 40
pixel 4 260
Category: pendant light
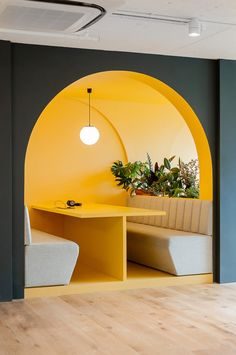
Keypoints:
pixel 89 135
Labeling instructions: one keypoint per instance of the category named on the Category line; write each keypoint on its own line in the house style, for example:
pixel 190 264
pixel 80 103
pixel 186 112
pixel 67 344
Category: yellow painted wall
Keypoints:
pixel 140 114
pixel 156 128
pixel 60 167
pixel 133 119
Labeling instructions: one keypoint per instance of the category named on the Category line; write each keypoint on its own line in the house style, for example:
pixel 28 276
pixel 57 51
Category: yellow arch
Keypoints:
pixel 182 106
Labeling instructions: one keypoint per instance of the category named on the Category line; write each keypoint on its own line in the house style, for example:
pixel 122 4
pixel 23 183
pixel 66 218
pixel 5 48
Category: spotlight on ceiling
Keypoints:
pixel 194 28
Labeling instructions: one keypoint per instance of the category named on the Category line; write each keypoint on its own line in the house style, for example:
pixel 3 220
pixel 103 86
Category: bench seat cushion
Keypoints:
pixel 49 260
pixel 169 250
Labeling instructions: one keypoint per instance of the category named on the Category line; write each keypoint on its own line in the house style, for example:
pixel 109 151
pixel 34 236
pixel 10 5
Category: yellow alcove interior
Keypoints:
pixel 134 113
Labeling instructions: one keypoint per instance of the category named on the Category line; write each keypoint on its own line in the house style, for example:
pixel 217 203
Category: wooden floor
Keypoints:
pixel 180 320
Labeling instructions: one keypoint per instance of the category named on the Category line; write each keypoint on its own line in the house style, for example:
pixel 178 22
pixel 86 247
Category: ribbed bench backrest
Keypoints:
pixel 189 215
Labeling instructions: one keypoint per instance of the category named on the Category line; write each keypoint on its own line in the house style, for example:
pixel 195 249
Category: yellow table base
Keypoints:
pixel 100 231
pixel 90 280
pixel 102 244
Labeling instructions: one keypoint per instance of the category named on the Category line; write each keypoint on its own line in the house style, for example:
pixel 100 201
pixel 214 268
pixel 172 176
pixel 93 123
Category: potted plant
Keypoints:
pixel 131 176
pixel 159 180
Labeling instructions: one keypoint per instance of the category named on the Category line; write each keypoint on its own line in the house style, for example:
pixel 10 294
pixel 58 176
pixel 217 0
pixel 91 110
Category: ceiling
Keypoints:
pixel 115 32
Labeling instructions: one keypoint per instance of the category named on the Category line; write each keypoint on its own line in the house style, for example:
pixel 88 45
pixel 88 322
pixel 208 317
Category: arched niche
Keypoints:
pixel 135 113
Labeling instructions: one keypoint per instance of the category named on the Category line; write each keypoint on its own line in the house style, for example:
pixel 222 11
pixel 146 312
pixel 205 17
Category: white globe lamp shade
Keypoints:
pixel 89 135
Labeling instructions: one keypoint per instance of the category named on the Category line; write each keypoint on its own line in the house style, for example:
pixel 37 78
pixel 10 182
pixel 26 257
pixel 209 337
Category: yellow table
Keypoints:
pixel 99 229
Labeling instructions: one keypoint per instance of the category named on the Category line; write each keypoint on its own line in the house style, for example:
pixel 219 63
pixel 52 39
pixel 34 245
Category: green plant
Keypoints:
pixel 159 180
pixel 131 176
pixel 166 180
pixel 189 173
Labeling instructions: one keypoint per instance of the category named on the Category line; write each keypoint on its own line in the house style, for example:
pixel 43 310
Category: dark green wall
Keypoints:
pixel 6 173
pixel 40 72
pixel 226 129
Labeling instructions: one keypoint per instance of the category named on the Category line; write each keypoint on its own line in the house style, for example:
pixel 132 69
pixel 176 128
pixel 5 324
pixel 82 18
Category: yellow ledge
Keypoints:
pixel 138 277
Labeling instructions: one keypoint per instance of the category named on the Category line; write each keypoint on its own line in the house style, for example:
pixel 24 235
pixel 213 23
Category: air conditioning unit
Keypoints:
pixel 50 16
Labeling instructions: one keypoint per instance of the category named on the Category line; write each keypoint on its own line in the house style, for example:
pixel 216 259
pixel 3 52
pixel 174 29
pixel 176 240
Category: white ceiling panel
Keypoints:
pixel 218 38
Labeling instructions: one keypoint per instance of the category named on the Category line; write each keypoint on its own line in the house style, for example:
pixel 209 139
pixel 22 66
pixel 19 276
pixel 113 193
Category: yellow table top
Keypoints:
pixel 100 210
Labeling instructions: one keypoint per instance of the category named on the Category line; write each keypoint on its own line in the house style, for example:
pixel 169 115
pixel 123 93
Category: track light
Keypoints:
pixel 194 28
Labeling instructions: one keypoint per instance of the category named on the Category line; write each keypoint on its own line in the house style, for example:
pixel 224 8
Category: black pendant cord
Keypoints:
pixel 89 90
pixel 89 111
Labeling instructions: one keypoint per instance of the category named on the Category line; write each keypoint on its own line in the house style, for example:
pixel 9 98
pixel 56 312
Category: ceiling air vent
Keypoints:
pixel 48 16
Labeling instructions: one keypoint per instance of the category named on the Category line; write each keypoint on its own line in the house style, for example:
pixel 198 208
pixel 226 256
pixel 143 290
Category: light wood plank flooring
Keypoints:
pixel 180 320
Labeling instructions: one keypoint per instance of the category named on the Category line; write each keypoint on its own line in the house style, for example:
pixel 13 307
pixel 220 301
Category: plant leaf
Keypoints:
pixel 167 164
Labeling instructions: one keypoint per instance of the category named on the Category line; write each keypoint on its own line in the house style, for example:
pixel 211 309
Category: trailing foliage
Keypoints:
pixel 160 180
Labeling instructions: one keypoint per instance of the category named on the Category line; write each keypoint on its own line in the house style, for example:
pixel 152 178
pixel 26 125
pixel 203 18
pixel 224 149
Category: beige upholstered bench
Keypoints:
pixel 49 260
pixel 179 243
